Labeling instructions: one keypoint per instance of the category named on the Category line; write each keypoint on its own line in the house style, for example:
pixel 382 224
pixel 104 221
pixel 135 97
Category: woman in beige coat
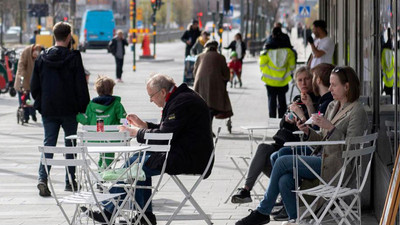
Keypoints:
pixel 211 76
pixel 24 71
pixel 345 117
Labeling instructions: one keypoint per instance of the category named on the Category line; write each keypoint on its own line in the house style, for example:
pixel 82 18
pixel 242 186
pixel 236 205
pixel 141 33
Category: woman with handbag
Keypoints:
pixel 345 117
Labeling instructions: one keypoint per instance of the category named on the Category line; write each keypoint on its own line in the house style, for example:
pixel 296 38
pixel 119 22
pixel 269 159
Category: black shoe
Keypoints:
pixel 255 218
pixel 242 196
pixel 34 118
pixel 43 189
pixel 276 210
pixel 97 216
pixel 151 217
pixel 282 215
pixel 68 187
pixel 26 120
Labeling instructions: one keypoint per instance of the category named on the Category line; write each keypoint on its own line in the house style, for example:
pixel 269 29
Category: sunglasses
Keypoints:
pixel 341 70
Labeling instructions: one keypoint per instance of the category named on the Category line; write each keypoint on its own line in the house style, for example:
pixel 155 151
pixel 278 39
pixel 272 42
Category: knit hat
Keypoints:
pixel 233 54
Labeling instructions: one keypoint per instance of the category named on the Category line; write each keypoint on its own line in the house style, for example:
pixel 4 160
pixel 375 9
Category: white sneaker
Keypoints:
pixel 290 222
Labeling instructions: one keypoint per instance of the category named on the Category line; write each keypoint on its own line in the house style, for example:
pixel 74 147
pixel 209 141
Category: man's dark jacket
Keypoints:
pixel 186 116
pixel 58 83
pixel 112 46
pixel 192 35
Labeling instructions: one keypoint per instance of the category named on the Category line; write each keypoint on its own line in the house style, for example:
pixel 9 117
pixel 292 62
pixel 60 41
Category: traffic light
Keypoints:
pixel 154 4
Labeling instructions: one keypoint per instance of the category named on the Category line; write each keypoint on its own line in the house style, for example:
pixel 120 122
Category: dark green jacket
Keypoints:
pixel 109 108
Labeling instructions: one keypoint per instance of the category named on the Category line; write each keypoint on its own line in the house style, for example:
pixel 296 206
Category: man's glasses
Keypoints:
pixel 152 95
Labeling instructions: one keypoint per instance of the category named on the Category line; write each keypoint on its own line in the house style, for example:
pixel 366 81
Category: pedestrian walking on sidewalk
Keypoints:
pixel 190 36
pixel 117 48
pixel 211 76
pixel 60 91
pixel 24 71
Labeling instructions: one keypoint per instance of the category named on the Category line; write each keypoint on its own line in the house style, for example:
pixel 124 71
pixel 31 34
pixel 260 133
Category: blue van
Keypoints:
pixel 98 28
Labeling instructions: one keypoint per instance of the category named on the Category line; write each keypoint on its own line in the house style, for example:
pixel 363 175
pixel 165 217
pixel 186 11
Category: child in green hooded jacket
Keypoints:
pixel 105 106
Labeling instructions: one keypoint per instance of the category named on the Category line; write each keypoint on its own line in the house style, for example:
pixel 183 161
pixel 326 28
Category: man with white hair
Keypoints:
pixel 185 114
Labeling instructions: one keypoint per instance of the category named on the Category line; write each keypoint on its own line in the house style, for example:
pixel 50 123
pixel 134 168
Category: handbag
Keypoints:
pixel 284 135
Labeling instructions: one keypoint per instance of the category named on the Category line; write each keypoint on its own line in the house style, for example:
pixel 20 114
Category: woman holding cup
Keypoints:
pixel 344 117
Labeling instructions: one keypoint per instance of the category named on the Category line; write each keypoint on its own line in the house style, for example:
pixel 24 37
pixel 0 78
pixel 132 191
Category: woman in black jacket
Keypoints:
pixel 238 46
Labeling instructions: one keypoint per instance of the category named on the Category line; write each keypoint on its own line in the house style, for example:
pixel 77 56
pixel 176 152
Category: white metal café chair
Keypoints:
pixel 338 191
pixel 189 192
pixel 273 124
pixel 85 196
pixel 107 128
pixel 165 144
pixel 104 139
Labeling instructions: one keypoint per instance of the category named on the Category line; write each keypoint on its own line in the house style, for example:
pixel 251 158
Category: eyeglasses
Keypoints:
pixel 152 95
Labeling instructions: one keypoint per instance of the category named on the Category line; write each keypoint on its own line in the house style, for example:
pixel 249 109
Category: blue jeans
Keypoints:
pixel 52 126
pixel 288 151
pixel 141 195
pixel 282 182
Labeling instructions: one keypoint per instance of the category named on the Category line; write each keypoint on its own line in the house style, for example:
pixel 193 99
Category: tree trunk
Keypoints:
pixel 247 19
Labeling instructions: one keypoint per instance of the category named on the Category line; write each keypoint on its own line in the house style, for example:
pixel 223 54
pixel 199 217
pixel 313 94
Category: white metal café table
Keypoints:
pixel 121 150
pixel 296 158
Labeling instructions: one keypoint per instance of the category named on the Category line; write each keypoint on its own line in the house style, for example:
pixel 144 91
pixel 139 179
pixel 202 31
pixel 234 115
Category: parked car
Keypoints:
pixel 98 28
pixel 12 34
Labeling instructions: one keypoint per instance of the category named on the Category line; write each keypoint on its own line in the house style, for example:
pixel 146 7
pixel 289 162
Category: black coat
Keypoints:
pixel 186 116
pixel 112 46
pixel 232 46
pixel 58 83
pixel 190 35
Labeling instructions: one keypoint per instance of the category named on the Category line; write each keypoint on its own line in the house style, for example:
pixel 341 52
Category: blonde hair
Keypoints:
pixel 104 85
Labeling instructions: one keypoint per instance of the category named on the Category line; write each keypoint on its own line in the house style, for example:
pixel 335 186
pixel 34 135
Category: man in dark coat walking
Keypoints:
pixel 117 49
pixel 185 114
pixel 190 36
pixel 59 87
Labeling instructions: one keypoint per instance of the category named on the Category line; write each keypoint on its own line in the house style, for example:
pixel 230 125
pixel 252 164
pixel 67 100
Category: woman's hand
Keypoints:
pixel 134 120
pixel 322 122
pixel 298 110
pixel 303 127
pixel 306 99
pixel 288 120
pixel 132 130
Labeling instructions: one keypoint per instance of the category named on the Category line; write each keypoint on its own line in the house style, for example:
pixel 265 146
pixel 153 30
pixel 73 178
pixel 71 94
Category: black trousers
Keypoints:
pixel 119 63
pixel 275 93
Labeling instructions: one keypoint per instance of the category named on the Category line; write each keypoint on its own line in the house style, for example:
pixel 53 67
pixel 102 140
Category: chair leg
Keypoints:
pixel 240 181
pixel 188 196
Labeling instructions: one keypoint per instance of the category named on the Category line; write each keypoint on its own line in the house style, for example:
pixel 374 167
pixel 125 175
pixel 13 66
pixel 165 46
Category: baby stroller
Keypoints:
pixel 25 103
pixel 189 66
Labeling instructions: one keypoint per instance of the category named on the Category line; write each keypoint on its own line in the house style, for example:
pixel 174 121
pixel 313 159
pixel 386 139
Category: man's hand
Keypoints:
pixel 132 130
pixel 310 40
pixel 188 42
pixel 134 120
